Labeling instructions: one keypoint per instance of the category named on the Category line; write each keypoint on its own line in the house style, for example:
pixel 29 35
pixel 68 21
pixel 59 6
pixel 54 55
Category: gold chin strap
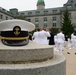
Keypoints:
pixel 14 38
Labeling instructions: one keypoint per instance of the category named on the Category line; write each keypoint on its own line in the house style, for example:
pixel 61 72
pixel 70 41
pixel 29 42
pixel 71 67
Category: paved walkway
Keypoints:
pixel 70 60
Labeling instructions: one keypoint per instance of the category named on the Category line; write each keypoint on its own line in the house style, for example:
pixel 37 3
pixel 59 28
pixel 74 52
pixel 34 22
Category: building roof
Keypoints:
pixel 71 3
pixel 40 2
pixel 2 10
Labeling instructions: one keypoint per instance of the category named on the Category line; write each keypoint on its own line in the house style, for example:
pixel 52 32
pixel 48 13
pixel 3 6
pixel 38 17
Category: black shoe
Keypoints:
pixel 68 53
pixel 75 53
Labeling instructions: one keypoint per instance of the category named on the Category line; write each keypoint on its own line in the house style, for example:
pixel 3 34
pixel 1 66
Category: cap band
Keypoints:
pixel 14 38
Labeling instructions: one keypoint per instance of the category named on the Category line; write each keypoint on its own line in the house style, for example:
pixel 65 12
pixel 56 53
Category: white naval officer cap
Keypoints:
pixel 9 24
pixel 15 32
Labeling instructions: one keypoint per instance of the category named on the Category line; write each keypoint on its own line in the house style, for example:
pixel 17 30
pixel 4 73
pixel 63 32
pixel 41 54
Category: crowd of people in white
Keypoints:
pixel 57 41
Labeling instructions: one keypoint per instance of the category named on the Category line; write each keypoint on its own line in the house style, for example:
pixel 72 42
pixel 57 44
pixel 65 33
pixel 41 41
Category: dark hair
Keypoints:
pixel 44 28
pixel 38 29
pixel 74 32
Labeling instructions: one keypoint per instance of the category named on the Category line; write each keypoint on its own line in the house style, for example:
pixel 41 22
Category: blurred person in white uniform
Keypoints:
pixel 72 39
pixel 60 41
pixel 69 43
pixel 35 36
pixel 55 40
pixel 43 34
pixel 66 40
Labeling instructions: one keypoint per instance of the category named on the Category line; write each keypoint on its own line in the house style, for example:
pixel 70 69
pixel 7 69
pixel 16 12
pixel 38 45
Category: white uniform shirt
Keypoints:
pixel 35 37
pixel 60 37
pixel 72 36
pixel 43 37
pixel 74 41
pixel 55 38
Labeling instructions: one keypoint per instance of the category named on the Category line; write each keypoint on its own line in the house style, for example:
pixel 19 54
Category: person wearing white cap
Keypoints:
pixel 60 41
pixel 15 32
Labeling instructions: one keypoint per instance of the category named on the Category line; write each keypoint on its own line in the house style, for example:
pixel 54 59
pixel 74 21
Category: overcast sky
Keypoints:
pixel 23 5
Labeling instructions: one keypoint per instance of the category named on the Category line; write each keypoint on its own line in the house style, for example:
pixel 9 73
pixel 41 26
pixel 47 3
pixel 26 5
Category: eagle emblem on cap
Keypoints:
pixel 16 30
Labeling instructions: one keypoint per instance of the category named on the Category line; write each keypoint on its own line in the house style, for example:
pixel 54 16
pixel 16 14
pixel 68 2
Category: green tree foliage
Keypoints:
pixel 55 30
pixel 20 17
pixel 67 26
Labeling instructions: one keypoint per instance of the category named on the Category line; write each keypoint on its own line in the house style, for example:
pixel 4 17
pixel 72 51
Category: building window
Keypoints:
pixel 29 20
pixel 69 6
pixel 54 24
pixel 71 1
pixel 22 13
pixel 46 11
pixel 1 16
pixel 6 18
pixel 45 24
pixel 11 18
pixel 29 13
pixel 54 11
pixel 45 19
pixel 3 9
pixel 36 20
pixel 37 25
pixel 37 12
pixel 54 18
pixel 75 5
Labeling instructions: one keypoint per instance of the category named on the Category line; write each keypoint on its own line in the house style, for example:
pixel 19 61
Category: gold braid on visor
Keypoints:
pixel 14 38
